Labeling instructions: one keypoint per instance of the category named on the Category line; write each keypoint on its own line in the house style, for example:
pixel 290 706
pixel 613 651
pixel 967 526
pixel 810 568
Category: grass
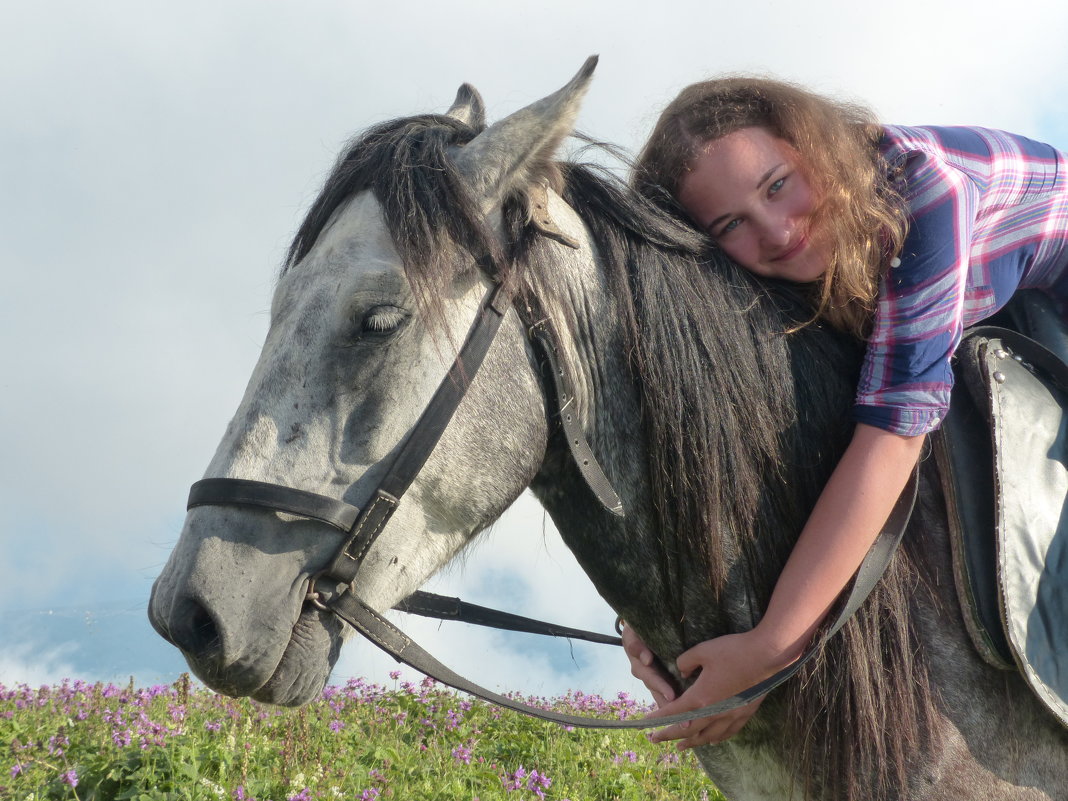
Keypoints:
pixel 362 741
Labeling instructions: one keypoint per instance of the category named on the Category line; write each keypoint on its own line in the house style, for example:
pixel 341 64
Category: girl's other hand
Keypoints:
pixel 645 667
pixel 728 665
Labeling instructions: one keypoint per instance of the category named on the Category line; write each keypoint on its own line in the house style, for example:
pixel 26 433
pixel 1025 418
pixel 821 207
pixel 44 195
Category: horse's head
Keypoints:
pixel 379 291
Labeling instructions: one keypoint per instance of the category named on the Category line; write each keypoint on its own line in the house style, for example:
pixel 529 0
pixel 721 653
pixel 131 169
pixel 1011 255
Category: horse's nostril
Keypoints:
pixel 203 626
pixel 193 629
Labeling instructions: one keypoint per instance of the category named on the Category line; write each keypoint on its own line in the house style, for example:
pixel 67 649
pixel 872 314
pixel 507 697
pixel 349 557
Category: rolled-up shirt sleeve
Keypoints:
pixel 907 376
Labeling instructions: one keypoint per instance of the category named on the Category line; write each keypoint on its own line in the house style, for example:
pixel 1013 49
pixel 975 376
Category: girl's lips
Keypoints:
pixel 793 250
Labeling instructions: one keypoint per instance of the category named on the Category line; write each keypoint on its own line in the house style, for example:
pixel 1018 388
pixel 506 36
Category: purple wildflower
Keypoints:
pixel 121 737
pixel 70 777
pixel 337 725
pixel 461 754
pixel 515 781
pixel 629 756
pixel 538 783
pixel 303 795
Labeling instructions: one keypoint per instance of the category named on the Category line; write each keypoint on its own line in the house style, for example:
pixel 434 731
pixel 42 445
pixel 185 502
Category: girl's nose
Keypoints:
pixel 776 234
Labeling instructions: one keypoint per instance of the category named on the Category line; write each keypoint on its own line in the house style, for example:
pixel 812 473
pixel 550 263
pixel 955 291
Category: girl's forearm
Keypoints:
pixel 843 525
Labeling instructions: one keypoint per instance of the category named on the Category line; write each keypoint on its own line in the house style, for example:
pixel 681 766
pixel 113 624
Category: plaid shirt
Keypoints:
pixel 988 215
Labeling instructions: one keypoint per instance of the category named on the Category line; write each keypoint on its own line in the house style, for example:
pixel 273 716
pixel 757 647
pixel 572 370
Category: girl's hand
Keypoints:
pixel 727 665
pixel 645 668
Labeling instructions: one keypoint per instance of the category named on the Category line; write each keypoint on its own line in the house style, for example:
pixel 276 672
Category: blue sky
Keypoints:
pixel 156 158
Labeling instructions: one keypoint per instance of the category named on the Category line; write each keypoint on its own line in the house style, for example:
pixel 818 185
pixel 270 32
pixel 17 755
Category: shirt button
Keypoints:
pixel 895 262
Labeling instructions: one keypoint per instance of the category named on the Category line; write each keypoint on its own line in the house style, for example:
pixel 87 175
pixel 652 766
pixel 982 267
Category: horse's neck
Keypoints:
pixel 666 595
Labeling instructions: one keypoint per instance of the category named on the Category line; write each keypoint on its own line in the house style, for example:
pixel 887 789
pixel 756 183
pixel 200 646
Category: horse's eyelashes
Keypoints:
pixel 382 320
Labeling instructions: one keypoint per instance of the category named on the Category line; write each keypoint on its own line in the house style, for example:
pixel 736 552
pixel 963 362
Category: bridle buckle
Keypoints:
pixel 312 595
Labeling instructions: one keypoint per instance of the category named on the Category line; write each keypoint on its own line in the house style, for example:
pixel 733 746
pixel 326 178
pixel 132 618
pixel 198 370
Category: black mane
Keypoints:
pixel 427 207
pixel 719 354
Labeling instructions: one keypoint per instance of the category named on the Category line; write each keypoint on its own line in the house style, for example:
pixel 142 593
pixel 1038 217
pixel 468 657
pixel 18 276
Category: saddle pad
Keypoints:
pixel 1030 446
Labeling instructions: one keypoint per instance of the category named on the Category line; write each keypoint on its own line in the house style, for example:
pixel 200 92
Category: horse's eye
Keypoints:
pixel 381 320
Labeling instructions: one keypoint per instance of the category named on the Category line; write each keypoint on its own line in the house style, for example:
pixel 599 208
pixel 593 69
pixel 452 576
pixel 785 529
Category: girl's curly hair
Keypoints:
pixel 859 209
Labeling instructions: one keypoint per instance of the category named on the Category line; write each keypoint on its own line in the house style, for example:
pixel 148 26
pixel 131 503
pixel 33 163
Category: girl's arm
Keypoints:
pixel 843 525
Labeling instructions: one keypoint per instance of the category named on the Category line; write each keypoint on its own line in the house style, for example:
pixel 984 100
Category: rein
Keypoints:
pixel 361 527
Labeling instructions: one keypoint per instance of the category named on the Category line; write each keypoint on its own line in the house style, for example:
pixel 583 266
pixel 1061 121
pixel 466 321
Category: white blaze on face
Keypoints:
pixel 345 371
pixel 318 365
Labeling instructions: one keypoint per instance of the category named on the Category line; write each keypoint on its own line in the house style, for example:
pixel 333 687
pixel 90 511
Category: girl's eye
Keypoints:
pixel 726 229
pixel 776 186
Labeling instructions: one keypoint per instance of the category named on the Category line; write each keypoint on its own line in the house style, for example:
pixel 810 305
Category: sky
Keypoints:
pixel 155 160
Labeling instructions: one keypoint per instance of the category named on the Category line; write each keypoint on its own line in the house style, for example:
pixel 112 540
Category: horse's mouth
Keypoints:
pixel 305 666
pixel 296 679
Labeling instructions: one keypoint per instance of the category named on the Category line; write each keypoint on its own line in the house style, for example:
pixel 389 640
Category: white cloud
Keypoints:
pixel 24 664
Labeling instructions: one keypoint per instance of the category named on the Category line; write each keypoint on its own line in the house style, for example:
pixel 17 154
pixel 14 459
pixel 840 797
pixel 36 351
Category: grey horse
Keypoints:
pixel 715 415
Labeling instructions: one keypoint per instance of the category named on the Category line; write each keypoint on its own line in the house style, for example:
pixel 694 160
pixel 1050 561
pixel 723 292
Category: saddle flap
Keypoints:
pixel 1030 445
pixel 964 451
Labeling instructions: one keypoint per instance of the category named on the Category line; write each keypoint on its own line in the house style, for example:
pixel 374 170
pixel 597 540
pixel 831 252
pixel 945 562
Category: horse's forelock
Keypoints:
pixel 433 220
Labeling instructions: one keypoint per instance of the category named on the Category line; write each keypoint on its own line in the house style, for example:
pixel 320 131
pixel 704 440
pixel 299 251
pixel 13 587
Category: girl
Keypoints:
pixel 905 236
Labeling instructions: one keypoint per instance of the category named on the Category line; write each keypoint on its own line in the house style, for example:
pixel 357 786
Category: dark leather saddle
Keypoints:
pixel 1005 444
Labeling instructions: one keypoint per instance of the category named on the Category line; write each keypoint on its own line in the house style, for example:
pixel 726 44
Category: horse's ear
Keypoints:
pixel 515 151
pixel 468 108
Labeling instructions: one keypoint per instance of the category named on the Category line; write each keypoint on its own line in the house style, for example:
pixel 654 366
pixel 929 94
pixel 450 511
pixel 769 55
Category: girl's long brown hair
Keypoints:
pixel 859 210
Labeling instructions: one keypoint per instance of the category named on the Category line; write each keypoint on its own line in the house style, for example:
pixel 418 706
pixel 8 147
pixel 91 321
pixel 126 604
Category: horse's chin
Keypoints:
pixel 299 676
pixel 305 665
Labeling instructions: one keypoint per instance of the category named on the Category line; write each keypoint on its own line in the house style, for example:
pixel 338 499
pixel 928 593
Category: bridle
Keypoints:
pixel 361 527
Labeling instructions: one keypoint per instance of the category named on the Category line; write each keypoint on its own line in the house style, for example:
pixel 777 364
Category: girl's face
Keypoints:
pixel 748 191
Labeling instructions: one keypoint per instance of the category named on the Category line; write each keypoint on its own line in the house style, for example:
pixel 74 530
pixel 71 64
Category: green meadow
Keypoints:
pixel 361 741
